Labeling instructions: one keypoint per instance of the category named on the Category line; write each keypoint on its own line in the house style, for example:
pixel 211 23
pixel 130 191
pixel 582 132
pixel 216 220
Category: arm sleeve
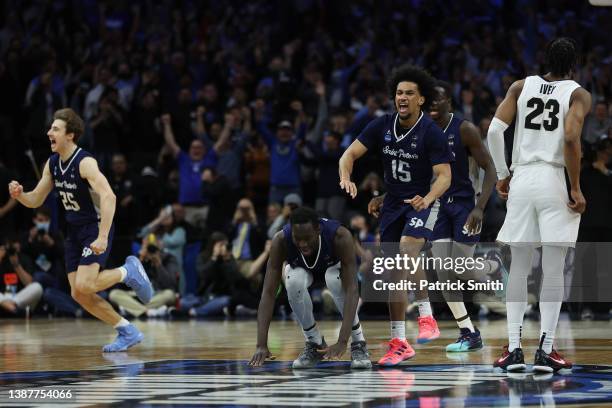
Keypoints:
pixel 371 135
pixel 495 139
pixel 437 146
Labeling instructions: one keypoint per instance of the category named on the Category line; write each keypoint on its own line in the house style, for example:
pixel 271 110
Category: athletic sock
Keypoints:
pixel 424 307
pixel 398 329
pixel 466 323
pixel 313 335
pixel 122 323
pixel 123 273
pixel 357 333
pixel 514 336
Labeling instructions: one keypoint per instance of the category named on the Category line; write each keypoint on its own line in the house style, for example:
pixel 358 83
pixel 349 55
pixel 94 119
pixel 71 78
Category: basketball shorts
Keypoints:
pixel 77 250
pixel 399 219
pixel 453 214
pixel 537 208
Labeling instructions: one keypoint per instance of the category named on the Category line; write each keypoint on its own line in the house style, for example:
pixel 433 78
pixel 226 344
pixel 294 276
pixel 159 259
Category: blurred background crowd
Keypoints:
pixel 213 120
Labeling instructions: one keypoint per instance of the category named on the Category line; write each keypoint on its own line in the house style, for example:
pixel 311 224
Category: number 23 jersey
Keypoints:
pixel 539 132
pixel 80 202
pixel 408 155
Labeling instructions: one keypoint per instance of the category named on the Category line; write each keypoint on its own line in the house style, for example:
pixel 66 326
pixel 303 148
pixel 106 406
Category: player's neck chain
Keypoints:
pixel 316 259
pixel 449 122
pixel 400 137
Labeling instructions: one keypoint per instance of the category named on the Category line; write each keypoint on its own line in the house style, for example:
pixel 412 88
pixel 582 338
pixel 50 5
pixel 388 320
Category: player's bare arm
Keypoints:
pixel 442 174
pixel 580 105
pixel 34 198
pixel 166 121
pixel 345 247
pixel 470 137
pixel 504 115
pixel 266 304
pixel 89 170
pixel 354 152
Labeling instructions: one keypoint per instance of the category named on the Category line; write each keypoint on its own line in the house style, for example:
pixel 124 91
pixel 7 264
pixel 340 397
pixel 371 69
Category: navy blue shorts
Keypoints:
pixel 77 251
pixel 399 219
pixel 454 212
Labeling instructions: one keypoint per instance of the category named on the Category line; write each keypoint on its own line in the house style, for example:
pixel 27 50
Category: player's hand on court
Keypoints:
pixel 348 186
pixel 503 188
pixel 15 189
pixel 375 205
pixel 99 245
pixel 260 356
pixel 473 224
pixel 334 352
pixel 577 203
pixel 419 203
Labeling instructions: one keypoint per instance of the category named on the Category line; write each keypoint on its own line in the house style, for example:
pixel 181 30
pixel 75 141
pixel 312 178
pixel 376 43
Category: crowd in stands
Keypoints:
pixel 214 120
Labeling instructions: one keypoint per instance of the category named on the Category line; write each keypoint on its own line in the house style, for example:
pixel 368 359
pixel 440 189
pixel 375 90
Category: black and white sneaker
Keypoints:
pixel 360 357
pixel 511 360
pixel 549 362
pixel 310 356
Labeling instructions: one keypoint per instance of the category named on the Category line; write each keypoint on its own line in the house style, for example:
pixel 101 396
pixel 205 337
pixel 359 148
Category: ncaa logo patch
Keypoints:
pixel 86 252
pixel 388 136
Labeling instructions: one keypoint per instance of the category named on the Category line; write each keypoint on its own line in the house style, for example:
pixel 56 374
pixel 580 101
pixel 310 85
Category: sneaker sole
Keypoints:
pixel 361 365
pixel 144 276
pixel 428 339
pixel 543 369
pixel 516 367
pixel 396 364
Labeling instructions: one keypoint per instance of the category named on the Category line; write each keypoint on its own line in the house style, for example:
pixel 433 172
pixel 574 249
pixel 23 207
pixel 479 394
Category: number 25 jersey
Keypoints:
pixel 407 154
pixel 81 203
pixel 539 131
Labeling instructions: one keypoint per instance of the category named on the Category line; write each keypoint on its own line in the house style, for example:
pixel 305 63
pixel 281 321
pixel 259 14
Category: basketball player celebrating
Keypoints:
pixel 459 222
pixel 413 150
pixel 550 112
pixel 313 248
pixel 89 204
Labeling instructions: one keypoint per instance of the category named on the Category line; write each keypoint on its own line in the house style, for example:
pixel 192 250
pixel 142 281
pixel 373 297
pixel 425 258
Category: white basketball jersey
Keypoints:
pixel 539 131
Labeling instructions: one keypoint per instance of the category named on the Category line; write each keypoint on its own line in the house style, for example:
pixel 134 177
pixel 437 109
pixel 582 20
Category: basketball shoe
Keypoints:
pixel 398 351
pixel 310 356
pixel 467 341
pixel 137 279
pixel 549 362
pixel 428 329
pixel 511 361
pixel 127 336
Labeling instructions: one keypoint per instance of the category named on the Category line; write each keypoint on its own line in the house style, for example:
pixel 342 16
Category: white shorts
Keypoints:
pixel 537 208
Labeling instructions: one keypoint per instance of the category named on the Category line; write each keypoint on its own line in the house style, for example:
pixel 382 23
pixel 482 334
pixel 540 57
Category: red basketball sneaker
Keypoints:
pixel 399 350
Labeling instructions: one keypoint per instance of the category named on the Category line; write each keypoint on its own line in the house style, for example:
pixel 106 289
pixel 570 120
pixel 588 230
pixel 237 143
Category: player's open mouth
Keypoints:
pixel 402 108
pixel 433 113
pixel 52 141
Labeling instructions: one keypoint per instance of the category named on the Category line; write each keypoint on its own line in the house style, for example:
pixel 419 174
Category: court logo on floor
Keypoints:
pixel 128 381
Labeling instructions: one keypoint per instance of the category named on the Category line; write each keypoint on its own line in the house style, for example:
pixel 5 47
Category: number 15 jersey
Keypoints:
pixel 76 196
pixel 539 132
pixel 407 154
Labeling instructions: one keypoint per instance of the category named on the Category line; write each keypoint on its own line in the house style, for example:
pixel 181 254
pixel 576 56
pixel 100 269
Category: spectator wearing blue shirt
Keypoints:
pixel 284 155
pixel 190 166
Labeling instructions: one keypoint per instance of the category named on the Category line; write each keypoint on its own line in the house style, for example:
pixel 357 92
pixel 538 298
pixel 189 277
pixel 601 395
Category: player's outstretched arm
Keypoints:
pixel 504 115
pixel 470 137
pixel 345 166
pixel 36 197
pixel 345 247
pixel 89 170
pixel 580 105
pixel 266 304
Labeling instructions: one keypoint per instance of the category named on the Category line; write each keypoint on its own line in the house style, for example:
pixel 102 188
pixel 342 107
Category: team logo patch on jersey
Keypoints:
pixel 388 136
pixel 86 252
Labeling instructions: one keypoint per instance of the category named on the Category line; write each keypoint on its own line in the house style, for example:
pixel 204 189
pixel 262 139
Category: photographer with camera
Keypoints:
pixel 18 291
pixel 162 268
pixel 45 249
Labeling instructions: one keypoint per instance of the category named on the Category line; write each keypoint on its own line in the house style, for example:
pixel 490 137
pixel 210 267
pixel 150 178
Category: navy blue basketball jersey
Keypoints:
pixel 324 255
pixel 407 154
pixel 461 185
pixel 81 203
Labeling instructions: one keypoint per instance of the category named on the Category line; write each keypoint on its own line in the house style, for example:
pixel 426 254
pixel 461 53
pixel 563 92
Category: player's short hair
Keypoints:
pixel 561 56
pixel 412 73
pixel 448 89
pixel 74 123
pixel 304 215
